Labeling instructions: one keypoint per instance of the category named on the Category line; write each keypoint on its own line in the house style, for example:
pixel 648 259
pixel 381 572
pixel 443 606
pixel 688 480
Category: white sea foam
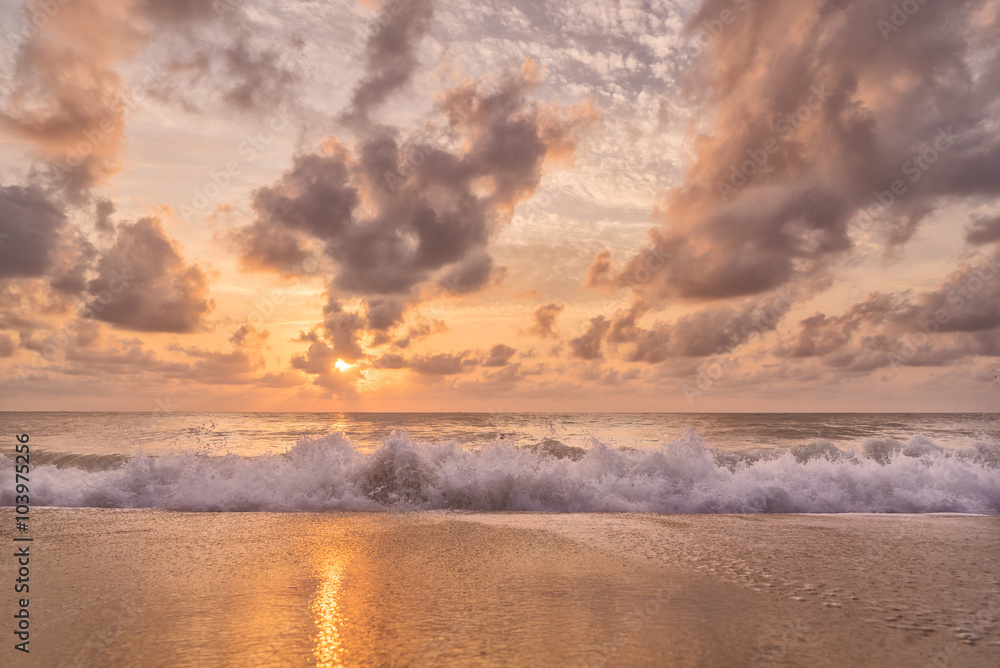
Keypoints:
pixel 328 473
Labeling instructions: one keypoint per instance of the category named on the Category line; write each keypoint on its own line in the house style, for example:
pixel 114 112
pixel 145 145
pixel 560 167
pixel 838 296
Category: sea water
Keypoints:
pixel 706 463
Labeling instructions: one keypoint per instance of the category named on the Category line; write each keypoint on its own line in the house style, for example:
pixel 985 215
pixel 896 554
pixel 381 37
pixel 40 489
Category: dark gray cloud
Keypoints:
pixel 703 333
pixel 319 361
pixel 810 139
pixel 959 319
pixel 73 263
pixel 342 329
pixel 390 56
pixel 390 361
pixel 419 329
pixel 260 80
pixel 144 284
pixel 431 211
pixel 383 315
pixel 234 71
pixel 448 364
pixel 186 11
pixel 499 355
pixel 983 230
pixel 710 331
pixel 7 346
pixel 103 210
pixel 30 223
pixel 587 346
pixel 442 364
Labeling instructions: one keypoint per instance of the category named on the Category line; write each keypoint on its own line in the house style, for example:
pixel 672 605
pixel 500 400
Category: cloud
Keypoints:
pixel 236 366
pixel 816 122
pixel 144 284
pixel 383 315
pixel 69 99
pixel 442 364
pixel 318 361
pixel 390 361
pixel 229 70
pixel 499 355
pixel 959 319
pixel 103 210
pixel 260 81
pixel 544 320
pixel 599 272
pixel 983 230
pixel 342 329
pixel 72 262
pixel 706 332
pixel 7 346
pixel 420 329
pixel 588 345
pixel 30 223
pixel 394 217
pixel 182 11
pixel 390 56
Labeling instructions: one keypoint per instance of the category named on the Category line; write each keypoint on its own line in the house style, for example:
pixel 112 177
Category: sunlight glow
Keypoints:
pixel 329 649
pixel 342 365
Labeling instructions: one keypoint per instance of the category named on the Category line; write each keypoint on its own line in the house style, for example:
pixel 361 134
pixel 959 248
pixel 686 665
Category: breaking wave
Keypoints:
pixel 328 473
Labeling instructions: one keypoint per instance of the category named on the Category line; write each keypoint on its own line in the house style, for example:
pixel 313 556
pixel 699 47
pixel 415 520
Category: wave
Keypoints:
pixel 684 476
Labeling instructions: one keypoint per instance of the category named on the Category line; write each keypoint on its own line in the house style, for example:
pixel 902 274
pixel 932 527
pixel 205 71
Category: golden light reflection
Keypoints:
pixel 342 365
pixel 329 618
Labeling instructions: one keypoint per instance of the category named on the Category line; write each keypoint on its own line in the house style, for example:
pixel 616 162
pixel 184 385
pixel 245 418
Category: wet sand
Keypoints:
pixel 158 588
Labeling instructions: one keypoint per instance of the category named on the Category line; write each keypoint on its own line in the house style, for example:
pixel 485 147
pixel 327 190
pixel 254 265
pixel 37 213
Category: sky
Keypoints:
pixel 421 205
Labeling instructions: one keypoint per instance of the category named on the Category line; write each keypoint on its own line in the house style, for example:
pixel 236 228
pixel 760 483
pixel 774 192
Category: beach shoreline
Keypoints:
pixel 459 588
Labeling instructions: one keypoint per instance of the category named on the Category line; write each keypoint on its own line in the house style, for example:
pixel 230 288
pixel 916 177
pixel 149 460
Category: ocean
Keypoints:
pixel 562 462
pixel 325 539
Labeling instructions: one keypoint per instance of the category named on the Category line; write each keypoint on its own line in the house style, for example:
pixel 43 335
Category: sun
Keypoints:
pixel 342 365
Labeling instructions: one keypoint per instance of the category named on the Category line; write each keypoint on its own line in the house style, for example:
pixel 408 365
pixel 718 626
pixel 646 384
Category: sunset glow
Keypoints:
pixel 427 207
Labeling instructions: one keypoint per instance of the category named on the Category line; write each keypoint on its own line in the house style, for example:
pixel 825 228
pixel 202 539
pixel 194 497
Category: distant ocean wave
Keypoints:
pixel 329 473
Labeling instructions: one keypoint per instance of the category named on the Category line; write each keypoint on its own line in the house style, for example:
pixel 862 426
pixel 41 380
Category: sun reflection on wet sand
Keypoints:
pixel 329 617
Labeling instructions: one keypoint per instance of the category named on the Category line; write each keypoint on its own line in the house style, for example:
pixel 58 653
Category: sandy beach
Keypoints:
pixel 157 588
